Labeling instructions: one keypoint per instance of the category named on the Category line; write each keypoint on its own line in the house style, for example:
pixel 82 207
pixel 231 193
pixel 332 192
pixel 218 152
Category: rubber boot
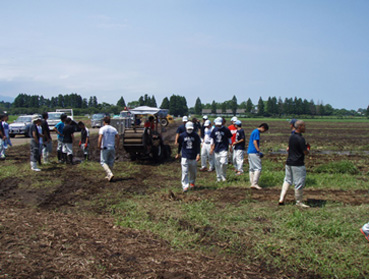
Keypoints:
pixel 70 159
pixel 285 187
pixel 64 158
pixel 34 166
pixel 109 174
pixel 86 157
pixel 59 157
pixel 298 196
pixel 256 180
pixel 251 175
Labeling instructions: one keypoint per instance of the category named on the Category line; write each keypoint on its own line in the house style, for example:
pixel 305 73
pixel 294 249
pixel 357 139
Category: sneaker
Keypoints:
pixel 257 187
pixel 365 234
pixel 302 205
pixel 203 169
pixel 192 185
pixel 35 169
pixel 210 170
pixel 239 172
pixel 185 189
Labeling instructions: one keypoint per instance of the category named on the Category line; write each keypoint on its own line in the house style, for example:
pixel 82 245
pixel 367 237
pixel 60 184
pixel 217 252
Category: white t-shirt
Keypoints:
pixel 108 140
pixel 207 132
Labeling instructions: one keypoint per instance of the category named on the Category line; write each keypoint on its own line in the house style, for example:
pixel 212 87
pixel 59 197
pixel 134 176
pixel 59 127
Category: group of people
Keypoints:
pixel 41 142
pixel 216 144
pixel 5 141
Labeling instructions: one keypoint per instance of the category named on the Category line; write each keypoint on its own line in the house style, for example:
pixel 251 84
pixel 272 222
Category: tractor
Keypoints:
pixel 143 140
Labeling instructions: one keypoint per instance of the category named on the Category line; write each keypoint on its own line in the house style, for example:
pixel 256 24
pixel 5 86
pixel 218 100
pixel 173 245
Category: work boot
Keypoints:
pixel 255 181
pixel 70 159
pixel 285 187
pixel 59 157
pixel 251 175
pixel 298 196
pixel 109 174
pixel 34 166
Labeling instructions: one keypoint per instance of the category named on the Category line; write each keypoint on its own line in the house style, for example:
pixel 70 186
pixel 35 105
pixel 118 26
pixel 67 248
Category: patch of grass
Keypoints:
pixel 337 167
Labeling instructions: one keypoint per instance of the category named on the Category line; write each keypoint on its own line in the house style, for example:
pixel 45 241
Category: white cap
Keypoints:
pixel 234 118
pixel 184 118
pixel 218 121
pixel 207 123
pixel 205 117
pixel 189 125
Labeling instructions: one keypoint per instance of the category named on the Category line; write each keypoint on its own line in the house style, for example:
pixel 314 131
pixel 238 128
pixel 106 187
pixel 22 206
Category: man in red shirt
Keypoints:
pixel 233 130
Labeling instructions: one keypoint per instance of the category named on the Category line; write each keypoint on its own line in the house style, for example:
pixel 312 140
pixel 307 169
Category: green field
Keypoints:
pixel 229 220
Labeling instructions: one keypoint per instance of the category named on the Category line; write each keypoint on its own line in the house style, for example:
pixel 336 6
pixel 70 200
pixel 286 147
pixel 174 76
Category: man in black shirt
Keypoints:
pixel 68 138
pixel 35 145
pixel 47 146
pixel 295 166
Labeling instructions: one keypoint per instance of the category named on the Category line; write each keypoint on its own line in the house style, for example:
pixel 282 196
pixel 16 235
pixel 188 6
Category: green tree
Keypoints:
pixel 165 103
pixel 121 102
pixel 249 105
pixel 233 105
pixel 213 107
pixel 261 107
pixel 198 106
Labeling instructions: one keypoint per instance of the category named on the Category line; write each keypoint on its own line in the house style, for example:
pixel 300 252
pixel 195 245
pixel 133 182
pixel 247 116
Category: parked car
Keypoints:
pixel 97 118
pixel 22 124
pixel 54 118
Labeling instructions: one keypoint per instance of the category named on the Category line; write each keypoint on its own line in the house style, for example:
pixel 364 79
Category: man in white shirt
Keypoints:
pixel 108 140
pixel 205 148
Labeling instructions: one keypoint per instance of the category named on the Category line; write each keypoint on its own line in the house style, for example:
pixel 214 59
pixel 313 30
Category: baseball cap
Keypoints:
pixel 205 117
pixel 189 125
pixel 234 118
pixel 293 121
pixel 207 123
pixel 218 121
pixel 184 119
pixel 238 123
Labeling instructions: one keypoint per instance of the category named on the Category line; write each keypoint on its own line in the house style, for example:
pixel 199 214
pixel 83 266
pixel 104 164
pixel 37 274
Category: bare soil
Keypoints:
pixel 56 232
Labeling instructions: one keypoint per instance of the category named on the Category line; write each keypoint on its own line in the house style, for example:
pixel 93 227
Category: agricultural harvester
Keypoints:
pixel 142 142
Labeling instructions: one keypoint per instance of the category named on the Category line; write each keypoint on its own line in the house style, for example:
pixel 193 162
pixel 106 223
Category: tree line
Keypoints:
pixel 177 106
pixel 273 107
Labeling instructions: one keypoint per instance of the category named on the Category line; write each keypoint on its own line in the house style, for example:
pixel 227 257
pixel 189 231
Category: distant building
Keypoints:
pixel 206 111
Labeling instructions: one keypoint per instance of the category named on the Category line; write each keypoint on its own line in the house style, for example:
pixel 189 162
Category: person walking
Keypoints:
pixel 221 138
pixel 190 142
pixel 239 148
pixel 3 138
pixel 107 142
pixel 233 130
pixel 84 143
pixel 295 165
pixel 68 138
pixel 6 142
pixel 35 144
pixel 59 130
pixel 205 148
pixel 48 141
pixel 255 155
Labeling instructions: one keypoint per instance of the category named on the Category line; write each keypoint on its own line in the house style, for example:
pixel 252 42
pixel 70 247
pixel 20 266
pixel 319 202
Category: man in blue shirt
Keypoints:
pixel 59 130
pixel 189 142
pixel 221 138
pixel 239 148
pixel 254 155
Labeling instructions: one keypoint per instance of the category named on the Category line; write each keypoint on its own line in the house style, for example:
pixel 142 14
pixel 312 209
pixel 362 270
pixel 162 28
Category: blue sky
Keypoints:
pixel 194 48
